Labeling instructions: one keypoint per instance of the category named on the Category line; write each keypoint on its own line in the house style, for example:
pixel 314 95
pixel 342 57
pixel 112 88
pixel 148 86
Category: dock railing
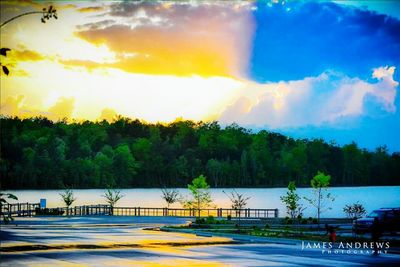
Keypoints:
pixel 19 209
pixel 29 209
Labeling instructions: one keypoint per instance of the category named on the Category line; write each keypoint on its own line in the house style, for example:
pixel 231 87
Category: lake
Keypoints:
pixel 372 197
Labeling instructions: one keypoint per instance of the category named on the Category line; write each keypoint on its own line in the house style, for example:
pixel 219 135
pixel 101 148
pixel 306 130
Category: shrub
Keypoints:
pixel 354 211
pixel 200 221
pixel 314 220
pixel 288 220
pixel 47 211
pixel 229 217
pixel 267 226
pixel 303 221
pixel 210 219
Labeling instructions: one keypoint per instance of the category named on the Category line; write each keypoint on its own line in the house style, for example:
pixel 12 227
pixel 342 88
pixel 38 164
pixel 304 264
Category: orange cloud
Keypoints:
pixel 14 106
pixel 179 40
pixel 90 65
pixel 91 9
pixel 15 57
pixel 23 3
pixel 62 109
pixel 108 114
pixel 25 55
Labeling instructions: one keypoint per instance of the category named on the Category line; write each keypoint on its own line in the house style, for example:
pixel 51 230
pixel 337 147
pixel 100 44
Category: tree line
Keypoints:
pixel 37 153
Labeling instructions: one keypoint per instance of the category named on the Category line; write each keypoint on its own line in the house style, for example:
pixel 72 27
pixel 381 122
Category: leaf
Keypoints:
pixel 12 196
pixel 3 51
pixel 5 70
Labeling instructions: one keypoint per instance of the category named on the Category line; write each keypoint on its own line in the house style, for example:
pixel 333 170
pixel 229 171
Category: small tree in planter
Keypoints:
pixel 239 202
pixel 201 197
pixel 68 198
pixel 3 201
pixel 112 196
pixel 291 200
pixel 320 184
pixel 354 211
pixel 170 196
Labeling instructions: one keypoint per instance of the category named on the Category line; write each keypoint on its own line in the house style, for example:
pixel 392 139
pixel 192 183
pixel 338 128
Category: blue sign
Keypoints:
pixel 42 203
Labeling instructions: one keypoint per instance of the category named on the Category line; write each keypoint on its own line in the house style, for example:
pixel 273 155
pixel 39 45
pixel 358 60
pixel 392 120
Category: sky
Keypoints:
pixel 309 69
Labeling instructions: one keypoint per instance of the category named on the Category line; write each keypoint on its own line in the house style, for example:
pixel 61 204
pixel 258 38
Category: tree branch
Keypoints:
pixel 21 15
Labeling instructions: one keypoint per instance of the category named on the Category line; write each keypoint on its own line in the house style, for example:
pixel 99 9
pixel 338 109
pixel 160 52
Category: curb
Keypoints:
pixel 252 239
pixel 235 237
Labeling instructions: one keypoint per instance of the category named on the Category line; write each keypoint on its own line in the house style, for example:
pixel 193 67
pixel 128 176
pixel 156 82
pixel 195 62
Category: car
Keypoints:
pixel 389 221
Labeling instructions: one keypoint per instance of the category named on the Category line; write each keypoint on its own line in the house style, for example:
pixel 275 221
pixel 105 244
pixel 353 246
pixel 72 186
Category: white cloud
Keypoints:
pixel 311 101
pixel 386 91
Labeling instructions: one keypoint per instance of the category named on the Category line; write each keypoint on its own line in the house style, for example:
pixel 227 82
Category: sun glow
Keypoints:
pixel 149 97
pixel 157 75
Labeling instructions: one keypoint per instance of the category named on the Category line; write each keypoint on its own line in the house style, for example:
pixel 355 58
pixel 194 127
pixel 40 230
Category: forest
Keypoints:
pixel 37 153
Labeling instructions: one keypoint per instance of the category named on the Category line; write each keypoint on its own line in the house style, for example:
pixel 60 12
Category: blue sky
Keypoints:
pixel 296 40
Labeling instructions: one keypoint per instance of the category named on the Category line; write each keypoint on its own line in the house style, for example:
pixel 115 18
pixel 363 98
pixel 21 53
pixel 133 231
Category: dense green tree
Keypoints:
pixel 317 156
pixel 124 165
pixel 214 170
pixel 294 160
pixel 352 161
pixel 104 163
pixel 39 153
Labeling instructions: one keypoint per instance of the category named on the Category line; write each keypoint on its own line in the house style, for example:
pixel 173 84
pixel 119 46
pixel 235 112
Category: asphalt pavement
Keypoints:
pixel 121 241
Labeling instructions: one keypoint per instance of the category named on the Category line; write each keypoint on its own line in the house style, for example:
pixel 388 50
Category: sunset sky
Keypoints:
pixel 308 69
